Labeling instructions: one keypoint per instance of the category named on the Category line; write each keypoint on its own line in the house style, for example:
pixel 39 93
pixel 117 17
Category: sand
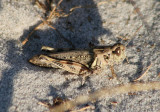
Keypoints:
pixel 23 85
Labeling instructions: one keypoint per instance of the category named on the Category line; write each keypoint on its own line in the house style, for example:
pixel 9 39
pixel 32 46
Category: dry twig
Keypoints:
pixel 27 38
pixel 134 34
pixel 106 92
pixel 140 77
pixel 83 109
pixel 53 13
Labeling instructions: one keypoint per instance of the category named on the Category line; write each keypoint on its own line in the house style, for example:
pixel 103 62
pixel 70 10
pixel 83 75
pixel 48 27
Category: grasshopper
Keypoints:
pixel 82 61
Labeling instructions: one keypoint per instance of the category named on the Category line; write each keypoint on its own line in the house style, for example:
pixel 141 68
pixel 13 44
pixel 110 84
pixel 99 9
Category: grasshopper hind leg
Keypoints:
pixel 42 61
pixel 113 73
pixel 73 67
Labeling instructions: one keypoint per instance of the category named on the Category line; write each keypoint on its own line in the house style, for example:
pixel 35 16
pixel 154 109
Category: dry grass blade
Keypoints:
pixel 54 13
pixel 41 6
pixel 104 2
pixel 134 34
pixel 83 109
pixel 53 10
pixel 27 38
pixel 140 77
pixel 106 92
pixel 77 7
pixel 40 25
pixel 46 22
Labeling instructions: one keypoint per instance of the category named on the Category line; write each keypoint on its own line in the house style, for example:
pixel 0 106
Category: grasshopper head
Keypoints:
pixel 118 52
pixel 115 55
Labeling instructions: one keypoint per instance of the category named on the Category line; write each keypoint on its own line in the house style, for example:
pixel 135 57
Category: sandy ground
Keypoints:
pixel 23 85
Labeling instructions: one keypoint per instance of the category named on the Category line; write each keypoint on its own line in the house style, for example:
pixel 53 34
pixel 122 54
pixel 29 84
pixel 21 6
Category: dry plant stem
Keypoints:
pixel 140 77
pixel 49 19
pixel 37 27
pixel 103 2
pixel 82 109
pixel 106 92
pixel 134 35
pixel 41 6
pixel 46 22
pixel 137 31
pixel 27 38
pixel 54 9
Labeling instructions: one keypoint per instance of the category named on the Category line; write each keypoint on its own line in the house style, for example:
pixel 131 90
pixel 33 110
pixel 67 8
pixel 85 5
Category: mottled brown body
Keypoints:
pixel 82 61
pixel 82 56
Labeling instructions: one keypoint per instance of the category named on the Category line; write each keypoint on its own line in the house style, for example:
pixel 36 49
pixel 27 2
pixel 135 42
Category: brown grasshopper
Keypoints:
pixel 82 61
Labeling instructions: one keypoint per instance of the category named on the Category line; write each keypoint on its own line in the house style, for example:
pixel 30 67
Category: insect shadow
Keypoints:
pixel 80 28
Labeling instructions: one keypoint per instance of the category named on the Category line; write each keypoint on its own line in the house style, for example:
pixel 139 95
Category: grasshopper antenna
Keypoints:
pixel 133 3
pixel 133 35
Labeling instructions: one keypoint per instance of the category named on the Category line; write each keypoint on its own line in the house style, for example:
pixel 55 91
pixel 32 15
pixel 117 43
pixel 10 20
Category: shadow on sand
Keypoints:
pixel 81 27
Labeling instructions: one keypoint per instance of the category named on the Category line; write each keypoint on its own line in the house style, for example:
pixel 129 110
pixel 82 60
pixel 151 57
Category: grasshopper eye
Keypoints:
pixel 106 57
pixel 117 51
